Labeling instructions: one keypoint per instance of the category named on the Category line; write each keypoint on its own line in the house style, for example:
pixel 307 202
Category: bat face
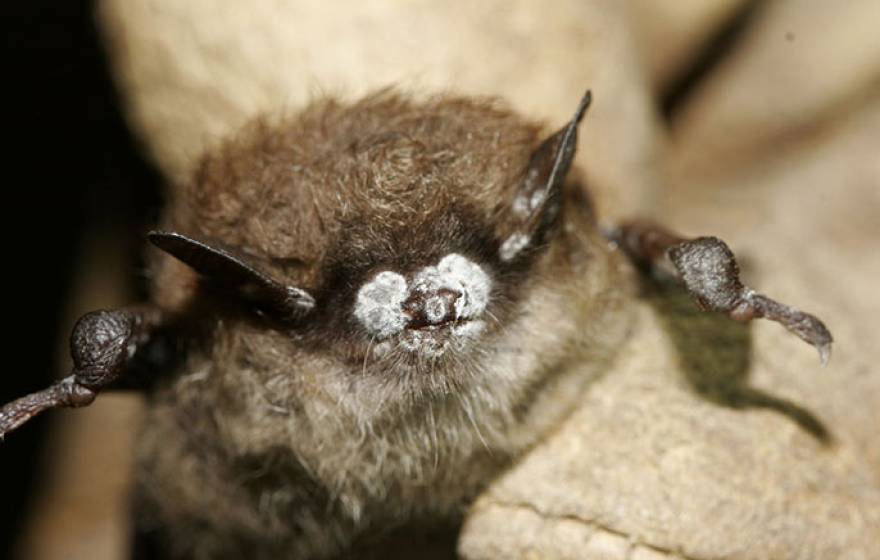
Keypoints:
pixel 389 240
pixel 414 300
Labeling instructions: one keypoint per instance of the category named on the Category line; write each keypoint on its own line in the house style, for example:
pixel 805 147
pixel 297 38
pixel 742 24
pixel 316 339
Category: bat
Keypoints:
pixel 364 312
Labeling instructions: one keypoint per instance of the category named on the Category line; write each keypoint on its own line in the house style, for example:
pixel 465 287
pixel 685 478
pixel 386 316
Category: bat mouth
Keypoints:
pixel 434 340
pixel 436 327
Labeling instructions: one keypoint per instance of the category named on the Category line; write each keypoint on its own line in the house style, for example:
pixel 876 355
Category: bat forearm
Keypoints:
pixel 102 345
pixel 708 270
pixel 66 392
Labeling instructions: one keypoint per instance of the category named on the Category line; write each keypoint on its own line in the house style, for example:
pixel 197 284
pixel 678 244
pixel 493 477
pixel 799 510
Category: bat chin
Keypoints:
pixel 433 341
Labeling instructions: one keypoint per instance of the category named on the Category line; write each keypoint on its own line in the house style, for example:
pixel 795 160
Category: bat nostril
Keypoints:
pixel 453 291
pixel 433 307
pixel 441 307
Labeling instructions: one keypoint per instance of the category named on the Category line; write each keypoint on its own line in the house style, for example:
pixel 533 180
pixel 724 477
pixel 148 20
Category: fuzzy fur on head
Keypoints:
pixel 436 351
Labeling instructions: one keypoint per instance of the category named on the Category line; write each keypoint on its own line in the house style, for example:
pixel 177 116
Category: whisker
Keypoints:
pixel 468 411
pixel 367 355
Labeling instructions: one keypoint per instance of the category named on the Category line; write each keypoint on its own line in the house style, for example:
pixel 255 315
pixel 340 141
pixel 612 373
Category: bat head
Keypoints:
pixel 394 239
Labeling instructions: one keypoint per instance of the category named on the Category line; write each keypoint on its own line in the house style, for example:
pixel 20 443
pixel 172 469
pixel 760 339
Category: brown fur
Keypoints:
pixel 296 441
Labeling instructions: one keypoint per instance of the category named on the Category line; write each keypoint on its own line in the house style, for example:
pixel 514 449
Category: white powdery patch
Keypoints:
pixel 513 245
pixel 453 273
pixel 382 348
pixel 469 329
pixel 521 206
pixel 379 304
pixel 537 199
pixel 431 346
pixel 474 282
pixel 424 343
pixel 524 205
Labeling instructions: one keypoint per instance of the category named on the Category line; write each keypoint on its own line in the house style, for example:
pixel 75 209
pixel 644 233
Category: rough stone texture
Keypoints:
pixel 649 465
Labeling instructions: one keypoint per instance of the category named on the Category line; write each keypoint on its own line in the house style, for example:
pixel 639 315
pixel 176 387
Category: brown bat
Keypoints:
pixel 376 307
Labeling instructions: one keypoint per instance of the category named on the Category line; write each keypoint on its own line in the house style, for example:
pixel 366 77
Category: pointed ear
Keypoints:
pixel 226 268
pixel 538 201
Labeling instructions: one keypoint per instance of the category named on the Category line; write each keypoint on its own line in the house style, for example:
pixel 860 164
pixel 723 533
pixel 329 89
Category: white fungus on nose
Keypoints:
pixel 436 308
pixel 460 274
pixel 379 305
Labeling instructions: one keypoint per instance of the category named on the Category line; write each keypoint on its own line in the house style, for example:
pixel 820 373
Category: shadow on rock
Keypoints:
pixel 715 355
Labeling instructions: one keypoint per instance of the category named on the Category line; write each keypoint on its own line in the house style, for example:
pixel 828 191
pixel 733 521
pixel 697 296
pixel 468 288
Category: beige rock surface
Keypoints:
pixel 802 65
pixel 199 69
pixel 669 35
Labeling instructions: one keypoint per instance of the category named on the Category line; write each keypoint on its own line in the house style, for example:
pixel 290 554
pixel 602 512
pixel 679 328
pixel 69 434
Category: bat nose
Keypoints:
pixel 432 307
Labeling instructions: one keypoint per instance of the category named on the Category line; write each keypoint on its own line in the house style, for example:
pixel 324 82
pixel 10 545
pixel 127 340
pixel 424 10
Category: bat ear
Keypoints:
pixel 227 269
pixel 538 201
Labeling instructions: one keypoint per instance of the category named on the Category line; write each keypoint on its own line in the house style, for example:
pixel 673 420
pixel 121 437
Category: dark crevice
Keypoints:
pixel 715 357
pixel 715 49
